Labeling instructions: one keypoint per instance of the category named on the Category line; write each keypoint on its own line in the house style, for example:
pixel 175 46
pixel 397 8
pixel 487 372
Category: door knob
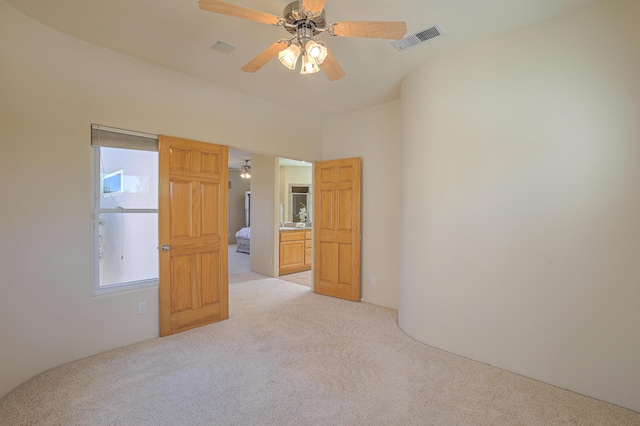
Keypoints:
pixel 165 247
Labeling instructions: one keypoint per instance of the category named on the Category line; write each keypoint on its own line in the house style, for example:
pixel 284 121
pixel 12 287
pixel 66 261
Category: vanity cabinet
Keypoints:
pixel 295 251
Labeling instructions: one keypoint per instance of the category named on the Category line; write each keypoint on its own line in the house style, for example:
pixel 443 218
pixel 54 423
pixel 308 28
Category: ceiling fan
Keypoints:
pixel 305 19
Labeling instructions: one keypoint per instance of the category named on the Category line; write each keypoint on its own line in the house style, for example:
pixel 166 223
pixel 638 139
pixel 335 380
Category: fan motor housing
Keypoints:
pixel 294 15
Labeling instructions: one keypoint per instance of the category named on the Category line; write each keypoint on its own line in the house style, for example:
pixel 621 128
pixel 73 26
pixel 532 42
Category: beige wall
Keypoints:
pixel 53 87
pixel 521 169
pixel 292 175
pixel 236 203
pixel 264 214
pixel 374 134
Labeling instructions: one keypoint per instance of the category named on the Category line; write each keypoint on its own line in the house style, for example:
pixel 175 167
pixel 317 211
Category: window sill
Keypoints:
pixel 126 288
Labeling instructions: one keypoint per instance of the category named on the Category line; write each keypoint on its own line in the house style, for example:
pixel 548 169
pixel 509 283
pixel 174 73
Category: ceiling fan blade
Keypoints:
pixel 331 67
pixel 239 11
pixel 388 30
pixel 314 6
pixel 261 60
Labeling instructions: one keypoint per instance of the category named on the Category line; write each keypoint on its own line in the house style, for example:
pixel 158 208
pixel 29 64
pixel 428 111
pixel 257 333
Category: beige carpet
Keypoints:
pixel 290 357
pixel 302 278
pixel 239 266
pixel 239 270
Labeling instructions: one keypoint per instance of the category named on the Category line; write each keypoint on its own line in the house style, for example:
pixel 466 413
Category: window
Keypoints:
pixel 112 183
pixel 125 212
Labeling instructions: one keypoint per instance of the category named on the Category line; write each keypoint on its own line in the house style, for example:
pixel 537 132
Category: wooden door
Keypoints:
pixel 336 227
pixel 193 234
pixel 308 249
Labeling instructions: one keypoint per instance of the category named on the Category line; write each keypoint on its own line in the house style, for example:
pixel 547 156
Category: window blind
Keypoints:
pixel 117 138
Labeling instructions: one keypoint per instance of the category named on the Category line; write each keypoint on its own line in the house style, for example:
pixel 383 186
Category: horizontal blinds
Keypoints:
pixel 116 138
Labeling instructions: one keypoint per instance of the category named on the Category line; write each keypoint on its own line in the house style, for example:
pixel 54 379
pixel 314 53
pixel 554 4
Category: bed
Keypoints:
pixel 243 237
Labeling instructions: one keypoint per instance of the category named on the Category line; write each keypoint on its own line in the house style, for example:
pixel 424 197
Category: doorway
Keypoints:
pixel 287 247
pixel 292 183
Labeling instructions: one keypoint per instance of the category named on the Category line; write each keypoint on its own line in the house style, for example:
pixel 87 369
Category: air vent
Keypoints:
pixel 222 47
pixel 418 37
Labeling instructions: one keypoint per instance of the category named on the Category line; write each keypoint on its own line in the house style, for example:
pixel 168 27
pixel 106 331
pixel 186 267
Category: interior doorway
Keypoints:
pixel 293 195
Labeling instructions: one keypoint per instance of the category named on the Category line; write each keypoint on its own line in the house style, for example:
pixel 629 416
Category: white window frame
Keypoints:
pixel 97 210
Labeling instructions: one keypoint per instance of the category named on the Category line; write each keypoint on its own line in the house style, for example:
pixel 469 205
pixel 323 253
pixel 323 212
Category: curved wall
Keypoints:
pixel 521 184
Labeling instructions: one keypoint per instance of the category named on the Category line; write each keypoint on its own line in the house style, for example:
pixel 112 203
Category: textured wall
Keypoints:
pixel 53 88
pixel 520 170
pixel 374 134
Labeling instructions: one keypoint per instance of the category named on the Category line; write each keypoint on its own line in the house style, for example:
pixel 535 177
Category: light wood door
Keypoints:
pixel 308 251
pixel 193 234
pixel 336 224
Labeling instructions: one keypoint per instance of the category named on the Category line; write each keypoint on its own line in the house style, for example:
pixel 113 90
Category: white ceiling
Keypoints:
pixel 178 35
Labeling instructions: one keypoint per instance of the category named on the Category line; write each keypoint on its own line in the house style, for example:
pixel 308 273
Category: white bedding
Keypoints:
pixel 244 233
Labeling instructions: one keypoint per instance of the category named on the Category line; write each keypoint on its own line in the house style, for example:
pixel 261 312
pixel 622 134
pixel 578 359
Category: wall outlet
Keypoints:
pixel 142 308
pixel 373 280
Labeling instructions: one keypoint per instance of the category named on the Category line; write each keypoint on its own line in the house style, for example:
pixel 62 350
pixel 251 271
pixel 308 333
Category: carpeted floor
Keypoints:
pixel 239 265
pixel 239 270
pixel 302 278
pixel 287 356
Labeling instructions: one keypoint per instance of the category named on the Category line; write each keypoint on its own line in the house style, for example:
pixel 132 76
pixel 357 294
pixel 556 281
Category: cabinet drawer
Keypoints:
pixel 292 235
pixel 307 235
pixel 308 244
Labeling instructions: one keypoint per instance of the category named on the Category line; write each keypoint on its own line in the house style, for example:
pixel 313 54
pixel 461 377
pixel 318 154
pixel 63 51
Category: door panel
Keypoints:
pixel 210 266
pixel 193 224
pixel 181 270
pixel 344 215
pixel 344 264
pixel 324 262
pixel 180 208
pixel 337 228
pixel 210 196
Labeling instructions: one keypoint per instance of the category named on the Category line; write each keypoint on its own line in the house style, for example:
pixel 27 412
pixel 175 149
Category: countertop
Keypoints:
pixel 287 228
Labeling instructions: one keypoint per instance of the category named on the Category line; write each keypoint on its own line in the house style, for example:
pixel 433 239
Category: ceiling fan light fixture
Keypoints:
pixel 245 171
pixel 289 56
pixel 305 19
pixel 309 65
pixel 317 50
